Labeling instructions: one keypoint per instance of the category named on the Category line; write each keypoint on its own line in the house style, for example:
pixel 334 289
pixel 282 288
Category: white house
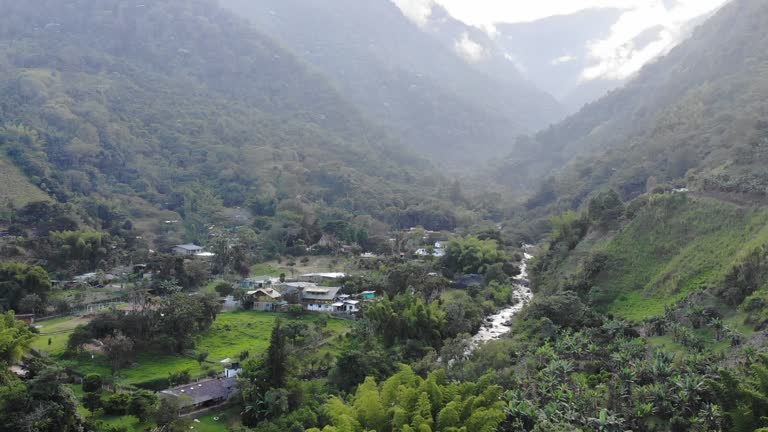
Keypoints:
pixel 188 249
pixel 319 299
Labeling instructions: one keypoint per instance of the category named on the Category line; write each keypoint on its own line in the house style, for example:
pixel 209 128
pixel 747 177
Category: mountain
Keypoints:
pixel 435 101
pixel 554 52
pixel 695 117
pixel 176 108
pixel 661 187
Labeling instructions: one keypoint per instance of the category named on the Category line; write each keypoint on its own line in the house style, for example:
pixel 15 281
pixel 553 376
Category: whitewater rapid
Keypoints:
pixel 497 325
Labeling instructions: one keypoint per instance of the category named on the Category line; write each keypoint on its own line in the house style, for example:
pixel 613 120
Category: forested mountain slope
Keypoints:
pixel 697 113
pixel 436 101
pixel 179 106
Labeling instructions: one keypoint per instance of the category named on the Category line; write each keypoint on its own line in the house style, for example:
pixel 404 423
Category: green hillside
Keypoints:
pixel 696 116
pixel 675 246
pixel 16 188
pixel 178 110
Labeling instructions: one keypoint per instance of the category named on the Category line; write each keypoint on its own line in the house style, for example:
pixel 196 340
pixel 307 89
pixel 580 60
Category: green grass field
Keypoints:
pixel 248 331
pixel 674 247
pixel 58 331
pixel 218 421
pixel 16 188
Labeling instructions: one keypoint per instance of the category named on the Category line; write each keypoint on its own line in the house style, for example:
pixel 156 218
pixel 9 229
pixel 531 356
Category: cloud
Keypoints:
pixel 418 11
pixel 627 49
pixel 618 56
pixel 470 50
pixel 562 60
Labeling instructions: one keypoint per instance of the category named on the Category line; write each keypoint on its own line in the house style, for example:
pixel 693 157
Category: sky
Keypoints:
pixel 614 57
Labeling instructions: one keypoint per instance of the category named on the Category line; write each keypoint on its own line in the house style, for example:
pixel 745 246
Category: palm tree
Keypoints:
pixel 718 326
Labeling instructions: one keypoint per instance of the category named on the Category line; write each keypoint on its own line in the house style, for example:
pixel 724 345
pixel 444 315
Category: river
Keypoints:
pixel 497 325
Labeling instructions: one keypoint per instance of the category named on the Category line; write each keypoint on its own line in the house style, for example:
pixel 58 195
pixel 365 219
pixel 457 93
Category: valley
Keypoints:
pixel 303 216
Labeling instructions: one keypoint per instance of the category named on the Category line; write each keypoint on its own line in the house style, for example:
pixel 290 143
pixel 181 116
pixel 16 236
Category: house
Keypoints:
pixel 294 288
pixel 188 249
pixel 368 295
pixel 232 370
pixel 319 299
pixel 266 299
pixel 258 282
pixel 346 306
pixel 202 394
pixel 25 318
pixel 321 277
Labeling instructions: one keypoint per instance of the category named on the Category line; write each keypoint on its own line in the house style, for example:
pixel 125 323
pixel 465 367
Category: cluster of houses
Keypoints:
pixel 310 291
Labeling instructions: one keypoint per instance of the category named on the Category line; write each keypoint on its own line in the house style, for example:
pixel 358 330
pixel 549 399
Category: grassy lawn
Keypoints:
pixel 315 264
pixel 218 421
pixel 57 330
pixel 248 331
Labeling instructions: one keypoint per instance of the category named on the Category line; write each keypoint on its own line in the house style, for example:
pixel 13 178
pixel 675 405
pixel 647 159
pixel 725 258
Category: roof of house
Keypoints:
pixel 190 247
pixel 325 275
pixel 267 292
pixel 299 285
pixel 203 391
pixel 263 279
pixel 368 292
pixel 321 293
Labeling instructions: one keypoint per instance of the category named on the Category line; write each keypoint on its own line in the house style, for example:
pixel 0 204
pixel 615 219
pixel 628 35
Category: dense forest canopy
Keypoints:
pixel 347 278
pixel 180 107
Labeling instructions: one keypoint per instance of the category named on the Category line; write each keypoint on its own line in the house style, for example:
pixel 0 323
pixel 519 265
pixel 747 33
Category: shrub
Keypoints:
pixel 92 383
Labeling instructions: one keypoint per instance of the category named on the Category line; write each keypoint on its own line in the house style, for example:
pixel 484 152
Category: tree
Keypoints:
pixel 119 350
pixel 276 364
pixel 92 401
pixel 471 255
pixel 201 357
pixel 294 330
pixel 168 411
pixel 31 303
pixel 143 405
pixel 605 209
pixel 224 289
pixel 92 383
pixel 14 337
pixel 19 280
pixel 370 411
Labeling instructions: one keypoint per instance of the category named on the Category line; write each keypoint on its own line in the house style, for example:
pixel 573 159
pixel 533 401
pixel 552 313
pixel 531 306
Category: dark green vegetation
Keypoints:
pixel 151 124
pixel 452 110
pixel 177 110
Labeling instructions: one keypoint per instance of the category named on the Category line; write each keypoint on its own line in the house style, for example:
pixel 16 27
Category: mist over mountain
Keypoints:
pixel 695 116
pixel 457 104
pixel 554 52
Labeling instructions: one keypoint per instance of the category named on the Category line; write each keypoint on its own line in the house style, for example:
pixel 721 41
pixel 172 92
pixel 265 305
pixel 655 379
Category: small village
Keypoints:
pixel 330 280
